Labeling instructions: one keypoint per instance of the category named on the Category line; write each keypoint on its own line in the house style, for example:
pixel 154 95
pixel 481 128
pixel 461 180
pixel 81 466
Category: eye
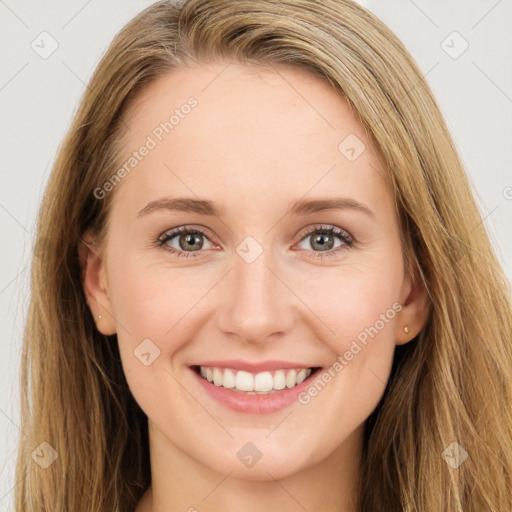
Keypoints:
pixel 187 242
pixel 183 241
pixel 323 241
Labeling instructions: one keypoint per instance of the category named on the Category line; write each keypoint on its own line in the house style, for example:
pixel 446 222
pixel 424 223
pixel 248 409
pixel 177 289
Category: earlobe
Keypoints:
pixel 94 283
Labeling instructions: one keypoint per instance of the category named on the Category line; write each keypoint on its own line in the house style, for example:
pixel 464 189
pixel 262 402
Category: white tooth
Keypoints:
pixel 229 379
pixel 244 381
pixel 263 381
pixel 291 378
pixel 279 380
pixel 217 377
pixel 260 383
pixel 301 376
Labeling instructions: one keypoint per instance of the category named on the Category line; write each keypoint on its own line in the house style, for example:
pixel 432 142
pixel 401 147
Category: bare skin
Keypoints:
pixel 257 141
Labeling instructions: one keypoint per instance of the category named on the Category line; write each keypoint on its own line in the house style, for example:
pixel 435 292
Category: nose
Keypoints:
pixel 257 304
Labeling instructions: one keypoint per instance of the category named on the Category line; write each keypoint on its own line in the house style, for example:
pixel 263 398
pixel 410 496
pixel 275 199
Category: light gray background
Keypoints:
pixel 38 97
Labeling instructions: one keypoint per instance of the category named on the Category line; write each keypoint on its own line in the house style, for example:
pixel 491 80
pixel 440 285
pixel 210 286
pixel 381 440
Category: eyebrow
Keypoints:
pixel 183 204
pixel 306 206
pixel 209 208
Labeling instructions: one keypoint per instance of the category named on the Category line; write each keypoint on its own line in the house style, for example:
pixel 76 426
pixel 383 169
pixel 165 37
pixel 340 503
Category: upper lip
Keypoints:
pixel 253 367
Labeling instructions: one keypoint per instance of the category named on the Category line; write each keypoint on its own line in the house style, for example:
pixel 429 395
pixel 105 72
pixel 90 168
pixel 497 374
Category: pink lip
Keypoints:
pixel 251 404
pixel 237 364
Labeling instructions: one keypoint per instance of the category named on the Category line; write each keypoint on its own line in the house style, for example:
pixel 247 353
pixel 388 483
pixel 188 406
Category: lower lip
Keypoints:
pixel 252 404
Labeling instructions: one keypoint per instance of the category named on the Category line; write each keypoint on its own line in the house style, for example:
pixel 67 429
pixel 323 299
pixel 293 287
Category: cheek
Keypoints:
pixel 356 308
pixel 354 303
pixel 150 306
pixel 145 305
pixel 348 390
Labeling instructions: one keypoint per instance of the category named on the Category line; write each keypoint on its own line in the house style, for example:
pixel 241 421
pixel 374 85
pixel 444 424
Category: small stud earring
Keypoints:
pixel 99 316
pixel 406 329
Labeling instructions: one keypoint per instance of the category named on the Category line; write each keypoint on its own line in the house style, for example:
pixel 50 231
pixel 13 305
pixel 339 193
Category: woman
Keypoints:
pixel 266 284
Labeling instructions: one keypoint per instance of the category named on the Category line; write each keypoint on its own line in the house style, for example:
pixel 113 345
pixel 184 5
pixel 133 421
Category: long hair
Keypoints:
pixel 451 384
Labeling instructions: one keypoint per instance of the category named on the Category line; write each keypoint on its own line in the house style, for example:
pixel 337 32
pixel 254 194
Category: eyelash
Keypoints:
pixel 332 231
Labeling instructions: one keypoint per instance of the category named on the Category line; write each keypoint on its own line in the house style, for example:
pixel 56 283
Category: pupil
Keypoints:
pixel 323 245
pixel 189 241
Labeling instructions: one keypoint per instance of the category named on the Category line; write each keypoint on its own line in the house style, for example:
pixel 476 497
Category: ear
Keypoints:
pixel 415 308
pixel 94 283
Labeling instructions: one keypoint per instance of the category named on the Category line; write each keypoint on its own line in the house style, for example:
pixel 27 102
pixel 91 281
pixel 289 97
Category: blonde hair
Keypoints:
pixel 452 383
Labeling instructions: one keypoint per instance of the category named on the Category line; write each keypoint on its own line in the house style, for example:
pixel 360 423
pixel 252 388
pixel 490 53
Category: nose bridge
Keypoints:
pixel 258 304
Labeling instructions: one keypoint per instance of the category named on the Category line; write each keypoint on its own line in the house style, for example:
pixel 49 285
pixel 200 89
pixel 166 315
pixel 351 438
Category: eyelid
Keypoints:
pixel 347 240
pixel 161 241
pixel 185 229
pixel 330 228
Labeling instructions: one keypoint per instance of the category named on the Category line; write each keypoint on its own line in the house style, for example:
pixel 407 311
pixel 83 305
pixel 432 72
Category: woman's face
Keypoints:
pixel 269 279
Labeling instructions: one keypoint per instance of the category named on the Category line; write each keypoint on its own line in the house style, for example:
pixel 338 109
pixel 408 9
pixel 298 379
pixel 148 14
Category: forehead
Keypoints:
pixel 250 128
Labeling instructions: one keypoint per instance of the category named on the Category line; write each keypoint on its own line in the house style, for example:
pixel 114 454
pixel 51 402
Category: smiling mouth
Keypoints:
pixel 262 383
